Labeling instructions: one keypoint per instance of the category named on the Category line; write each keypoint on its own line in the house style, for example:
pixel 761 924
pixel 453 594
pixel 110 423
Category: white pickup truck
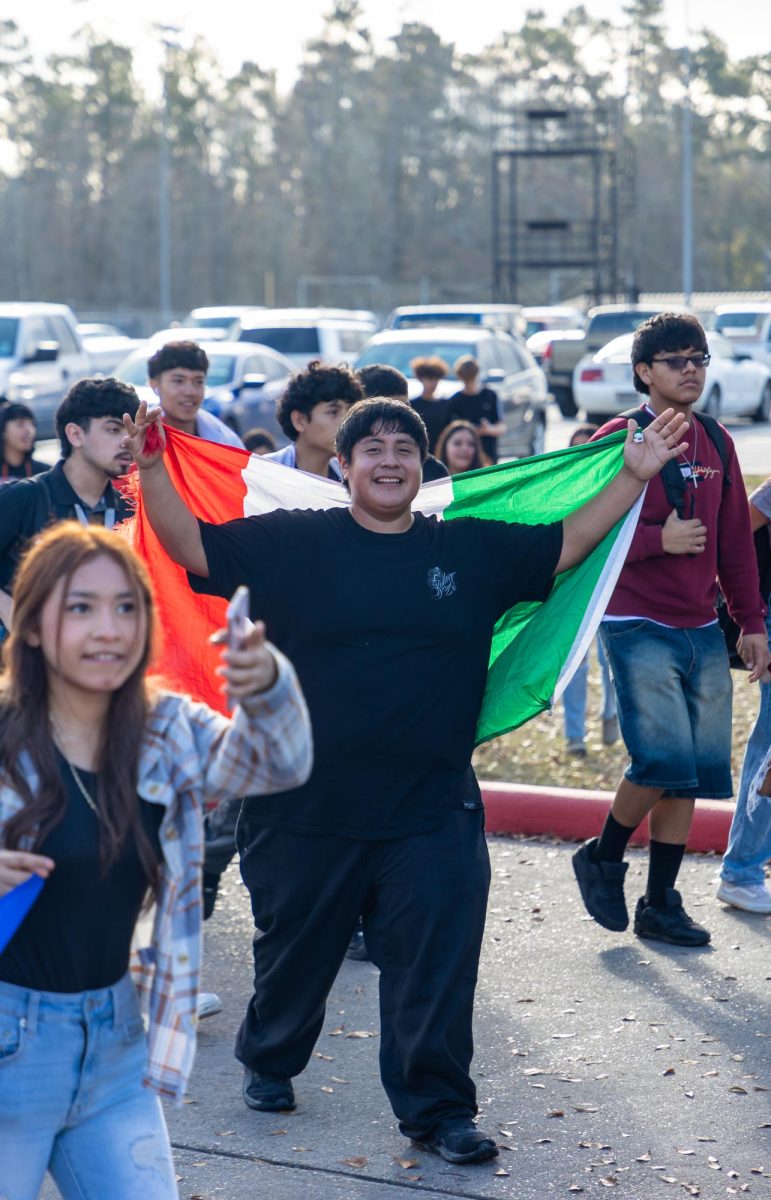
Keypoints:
pixel 41 355
pixel 748 328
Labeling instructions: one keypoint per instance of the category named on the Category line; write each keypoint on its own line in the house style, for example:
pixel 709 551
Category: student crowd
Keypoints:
pixel 342 775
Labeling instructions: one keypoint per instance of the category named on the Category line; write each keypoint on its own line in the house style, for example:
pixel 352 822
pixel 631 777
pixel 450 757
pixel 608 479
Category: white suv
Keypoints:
pixel 331 335
pixel 41 354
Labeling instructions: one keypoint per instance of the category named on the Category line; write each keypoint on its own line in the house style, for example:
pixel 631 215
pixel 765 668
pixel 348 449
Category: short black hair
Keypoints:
pixel 380 416
pixel 189 355
pixel 12 410
pixel 381 380
pixel 665 331
pixel 318 384
pixel 257 439
pixel 90 398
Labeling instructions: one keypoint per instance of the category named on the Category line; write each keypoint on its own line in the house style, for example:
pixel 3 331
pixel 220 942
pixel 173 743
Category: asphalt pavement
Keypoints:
pixel 602 1061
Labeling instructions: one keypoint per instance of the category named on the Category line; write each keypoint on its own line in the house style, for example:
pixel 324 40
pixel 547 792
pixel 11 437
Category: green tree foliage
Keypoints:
pixel 377 162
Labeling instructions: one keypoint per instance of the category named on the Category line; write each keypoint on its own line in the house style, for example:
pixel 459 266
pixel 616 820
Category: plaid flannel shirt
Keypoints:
pixel 192 756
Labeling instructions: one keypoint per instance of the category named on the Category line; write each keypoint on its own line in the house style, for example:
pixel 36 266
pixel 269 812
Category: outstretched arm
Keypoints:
pixel 643 458
pixel 176 527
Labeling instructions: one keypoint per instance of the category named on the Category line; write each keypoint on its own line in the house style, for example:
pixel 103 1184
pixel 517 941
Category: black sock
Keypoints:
pixel 612 841
pixel 663 867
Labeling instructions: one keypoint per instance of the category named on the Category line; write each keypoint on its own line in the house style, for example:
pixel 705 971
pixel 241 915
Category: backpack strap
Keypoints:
pixel 671 475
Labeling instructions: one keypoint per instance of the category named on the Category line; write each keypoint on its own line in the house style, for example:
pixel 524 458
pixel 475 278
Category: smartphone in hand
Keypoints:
pixel 238 618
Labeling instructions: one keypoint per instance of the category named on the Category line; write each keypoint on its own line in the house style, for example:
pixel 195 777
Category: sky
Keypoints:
pixel 274 36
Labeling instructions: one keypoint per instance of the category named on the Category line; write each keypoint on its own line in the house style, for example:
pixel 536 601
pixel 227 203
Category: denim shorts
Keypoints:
pixel 673 689
pixel 72 1101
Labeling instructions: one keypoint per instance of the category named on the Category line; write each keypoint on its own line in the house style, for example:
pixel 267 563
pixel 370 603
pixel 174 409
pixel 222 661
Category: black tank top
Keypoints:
pixel 77 936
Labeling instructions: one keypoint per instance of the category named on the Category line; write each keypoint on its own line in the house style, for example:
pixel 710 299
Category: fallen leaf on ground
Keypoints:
pixel 327 1089
pixel 533 1071
pixel 556 1112
pixel 609 1181
pixel 574 1187
pixel 501 1171
pixel 669 1071
pixel 278 1132
pixel 356 1160
pixel 325 1057
pixel 362 1033
pixel 644 1157
pixel 407 1163
pixel 585 1108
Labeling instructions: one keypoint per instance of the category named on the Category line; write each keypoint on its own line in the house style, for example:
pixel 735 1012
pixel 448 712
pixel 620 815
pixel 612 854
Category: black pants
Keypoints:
pixel 423 900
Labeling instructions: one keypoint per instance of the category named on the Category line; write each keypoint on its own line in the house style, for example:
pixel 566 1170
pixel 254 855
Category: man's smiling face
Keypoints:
pixel 384 472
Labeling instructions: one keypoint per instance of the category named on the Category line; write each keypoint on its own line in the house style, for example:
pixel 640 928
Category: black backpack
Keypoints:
pixel 671 475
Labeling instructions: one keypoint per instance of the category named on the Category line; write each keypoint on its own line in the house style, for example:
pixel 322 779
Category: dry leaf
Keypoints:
pixel 407 1163
pixel 361 1033
pixel 533 1071
pixel 336 1080
pixel 574 1187
pixel 543 1141
pixel 738 1089
pixel 325 1057
pixel 686 1152
pixel 669 1178
pixel 501 1171
pixel 644 1157
pixel 669 1071
pixel 226 1133
pixel 609 1181
pixel 556 1112
pixel 585 1108
pixel 336 1032
pixel 327 1089
pixel 706 1139
pixel 278 1132
pixel 357 1161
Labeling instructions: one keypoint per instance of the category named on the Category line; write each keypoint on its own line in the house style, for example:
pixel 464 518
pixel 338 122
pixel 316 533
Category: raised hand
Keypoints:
pixel 249 669
pixel 144 435
pixel 660 441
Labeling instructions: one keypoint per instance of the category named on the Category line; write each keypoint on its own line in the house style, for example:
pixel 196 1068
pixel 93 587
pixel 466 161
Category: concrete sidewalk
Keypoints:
pixel 602 1061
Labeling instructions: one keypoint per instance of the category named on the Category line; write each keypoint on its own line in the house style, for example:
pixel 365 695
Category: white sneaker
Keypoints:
pixel 752 897
pixel 209 1004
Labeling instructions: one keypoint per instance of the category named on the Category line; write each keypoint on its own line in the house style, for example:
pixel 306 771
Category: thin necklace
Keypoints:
pixel 73 770
pixel 82 788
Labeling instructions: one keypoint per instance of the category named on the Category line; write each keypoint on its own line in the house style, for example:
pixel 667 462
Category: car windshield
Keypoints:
pixel 9 327
pixel 746 321
pixel 222 368
pixel 401 354
pixel 220 322
pixel 420 320
pixel 287 339
pixel 619 322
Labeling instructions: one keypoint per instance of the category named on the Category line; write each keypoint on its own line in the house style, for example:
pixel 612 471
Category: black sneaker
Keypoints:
pixel 668 922
pixel 458 1142
pixel 602 887
pixel 266 1093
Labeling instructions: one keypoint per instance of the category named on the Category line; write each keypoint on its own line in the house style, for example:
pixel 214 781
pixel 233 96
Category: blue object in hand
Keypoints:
pixel 15 905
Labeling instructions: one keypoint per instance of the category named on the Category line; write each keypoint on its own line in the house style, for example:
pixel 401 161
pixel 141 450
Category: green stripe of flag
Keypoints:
pixel 537 646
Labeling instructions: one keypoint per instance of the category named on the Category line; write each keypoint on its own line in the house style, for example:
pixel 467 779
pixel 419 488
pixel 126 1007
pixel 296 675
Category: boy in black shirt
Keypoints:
pixel 388 617
pixel 476 404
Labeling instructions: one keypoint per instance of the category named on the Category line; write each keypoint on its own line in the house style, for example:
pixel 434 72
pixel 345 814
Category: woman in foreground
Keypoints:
pixel 102 783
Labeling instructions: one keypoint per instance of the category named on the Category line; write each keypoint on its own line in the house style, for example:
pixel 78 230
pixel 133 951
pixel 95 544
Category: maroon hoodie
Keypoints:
pixel 679 589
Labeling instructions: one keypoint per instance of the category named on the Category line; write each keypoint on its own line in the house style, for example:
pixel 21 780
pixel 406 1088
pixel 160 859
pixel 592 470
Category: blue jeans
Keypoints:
pixel 673 688
pixel 574 697
pixel 749 842
pixel 72 1100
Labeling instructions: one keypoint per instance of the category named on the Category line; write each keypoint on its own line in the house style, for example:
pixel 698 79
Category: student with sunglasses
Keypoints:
pixel 666 650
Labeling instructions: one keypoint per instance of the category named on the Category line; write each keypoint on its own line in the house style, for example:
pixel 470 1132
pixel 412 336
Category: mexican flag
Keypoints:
pixel 536 646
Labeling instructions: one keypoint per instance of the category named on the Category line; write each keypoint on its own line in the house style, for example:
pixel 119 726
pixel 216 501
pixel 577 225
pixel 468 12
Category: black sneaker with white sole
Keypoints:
pixel 668 922
pixel 458 1142
pixel 602 887
pixel 266 1093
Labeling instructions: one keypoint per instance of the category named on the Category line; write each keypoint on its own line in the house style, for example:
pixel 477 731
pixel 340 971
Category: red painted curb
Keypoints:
pixel 575 815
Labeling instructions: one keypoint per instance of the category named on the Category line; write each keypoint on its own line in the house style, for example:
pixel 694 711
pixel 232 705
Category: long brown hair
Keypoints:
pixel 55 556
pixel 480 459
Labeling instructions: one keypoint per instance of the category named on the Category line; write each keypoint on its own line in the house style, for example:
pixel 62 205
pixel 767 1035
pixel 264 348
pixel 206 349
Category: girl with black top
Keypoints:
pixel 17 441
pixel 102 782
pixel 460 448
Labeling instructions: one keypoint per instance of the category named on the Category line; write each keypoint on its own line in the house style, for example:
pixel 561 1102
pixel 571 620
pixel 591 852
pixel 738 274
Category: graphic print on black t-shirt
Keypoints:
pixel 390 636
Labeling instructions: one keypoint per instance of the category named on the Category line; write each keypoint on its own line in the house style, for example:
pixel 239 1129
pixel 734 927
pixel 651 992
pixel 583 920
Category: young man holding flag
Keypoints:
pixel 389 618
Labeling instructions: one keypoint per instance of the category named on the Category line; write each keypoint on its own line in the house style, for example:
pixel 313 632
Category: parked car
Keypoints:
pixel 734 386
pixel 242 384
pixel 303 334
pixel 552 316
pixel 493 316
pixel 218 319
pixel 506 365
pixel 748 326
pixel 605 322
pixel 106 345
pixel 41 355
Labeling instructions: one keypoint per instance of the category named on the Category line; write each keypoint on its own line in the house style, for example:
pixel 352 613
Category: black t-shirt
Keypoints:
pixel 482 406
pixel 390 636
pixel 77 935
pixel 434 469
pixel 31 466
pixel 435 414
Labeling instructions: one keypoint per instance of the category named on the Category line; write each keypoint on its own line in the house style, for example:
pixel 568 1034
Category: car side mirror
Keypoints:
pixel 42 352
pixel 253 381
